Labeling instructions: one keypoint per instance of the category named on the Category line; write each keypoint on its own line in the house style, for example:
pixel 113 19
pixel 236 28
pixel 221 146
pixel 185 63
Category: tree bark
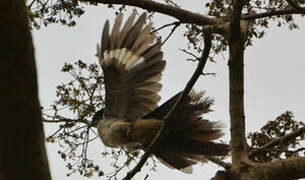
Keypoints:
pixel 286 169
pixel 236 40
pixel 22 148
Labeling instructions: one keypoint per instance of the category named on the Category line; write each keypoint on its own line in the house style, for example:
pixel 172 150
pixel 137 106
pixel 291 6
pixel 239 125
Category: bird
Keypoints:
pixel 132 64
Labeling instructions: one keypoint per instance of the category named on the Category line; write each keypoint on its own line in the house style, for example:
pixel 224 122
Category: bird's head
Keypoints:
pixel 97 117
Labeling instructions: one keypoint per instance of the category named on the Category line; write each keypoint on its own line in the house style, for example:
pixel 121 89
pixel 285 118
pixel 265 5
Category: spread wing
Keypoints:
pixel 132 68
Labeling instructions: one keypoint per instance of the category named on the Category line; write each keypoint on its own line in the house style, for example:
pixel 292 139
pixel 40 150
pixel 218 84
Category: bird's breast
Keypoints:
pixel 116 132
pixel 113 131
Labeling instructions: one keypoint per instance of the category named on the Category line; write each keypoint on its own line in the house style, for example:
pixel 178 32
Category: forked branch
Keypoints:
pixel 183 15
pixel 186 16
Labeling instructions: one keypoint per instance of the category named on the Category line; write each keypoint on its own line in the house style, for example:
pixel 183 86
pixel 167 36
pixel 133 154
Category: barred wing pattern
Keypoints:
pixel 132 68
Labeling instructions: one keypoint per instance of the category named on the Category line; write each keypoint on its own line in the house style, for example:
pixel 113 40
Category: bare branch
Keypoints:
pixel 277 141
pixel 291 168
pixel 272 13
pixel 176 23
pixel 31 4
pixel 219 162
pixel 65 120
pixel 171 33
pixel 191 54
pixel 183 15
pixel 187 89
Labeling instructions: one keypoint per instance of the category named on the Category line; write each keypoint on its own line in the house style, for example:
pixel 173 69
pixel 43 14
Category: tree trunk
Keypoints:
pixel 22 148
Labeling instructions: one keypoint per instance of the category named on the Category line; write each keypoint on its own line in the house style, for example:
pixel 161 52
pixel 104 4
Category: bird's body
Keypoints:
pixel 132 68
pixel 121 133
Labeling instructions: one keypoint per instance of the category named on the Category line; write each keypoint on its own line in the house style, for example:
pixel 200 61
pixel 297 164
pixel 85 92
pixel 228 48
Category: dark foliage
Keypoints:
pixel 76 102
pixel 283 125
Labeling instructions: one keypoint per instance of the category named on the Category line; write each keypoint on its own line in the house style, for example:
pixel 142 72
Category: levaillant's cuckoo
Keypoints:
pixel 132 67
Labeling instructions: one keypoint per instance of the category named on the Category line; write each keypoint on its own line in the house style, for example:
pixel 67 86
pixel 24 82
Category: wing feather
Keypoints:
pixel 132 68
pixel 105 39
pixel 116 32
pixel 150 52
pixel 134 32
pixel 143 40
pixel 126 28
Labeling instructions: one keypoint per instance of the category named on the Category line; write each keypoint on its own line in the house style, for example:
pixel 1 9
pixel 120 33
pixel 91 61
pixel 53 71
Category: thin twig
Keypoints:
pixel 65 120
pixel 166 25
pixel 85 144
pixel 171 33
pixel 191 54
pixel 209 74
pixel 167 118
pixel 31 4
pixel 59 129
pixel 297 151
pixel 279 140
pixel 90 140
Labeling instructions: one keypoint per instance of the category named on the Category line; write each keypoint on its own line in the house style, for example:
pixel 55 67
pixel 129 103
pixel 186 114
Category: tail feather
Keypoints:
pixel 191 146
pixel 174 160
pixel 189 136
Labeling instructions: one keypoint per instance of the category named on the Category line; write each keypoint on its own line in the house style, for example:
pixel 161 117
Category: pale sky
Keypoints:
pixel 274 77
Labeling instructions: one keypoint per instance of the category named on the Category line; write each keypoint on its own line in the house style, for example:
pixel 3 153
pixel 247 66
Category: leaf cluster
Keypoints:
pixel 278 128
pixel 44 12
pixel 79 98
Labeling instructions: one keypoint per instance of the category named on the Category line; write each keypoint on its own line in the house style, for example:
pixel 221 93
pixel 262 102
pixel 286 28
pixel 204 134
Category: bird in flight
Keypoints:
pixel 132 65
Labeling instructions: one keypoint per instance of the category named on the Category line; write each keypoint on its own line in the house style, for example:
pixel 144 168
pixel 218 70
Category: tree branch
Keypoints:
pixel 219 162
pixel 236 16
pixel 66 120
pixel 187 89
pixel 215 25
pixel 296 6
pixel 171 33
pixel 272 13
pixel 236 41
pixel 176 23
pixel 277 141
pixel 183 15
pixel 291 168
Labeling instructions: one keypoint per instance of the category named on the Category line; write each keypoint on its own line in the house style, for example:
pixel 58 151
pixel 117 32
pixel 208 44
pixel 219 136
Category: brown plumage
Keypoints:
pixel 132 68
